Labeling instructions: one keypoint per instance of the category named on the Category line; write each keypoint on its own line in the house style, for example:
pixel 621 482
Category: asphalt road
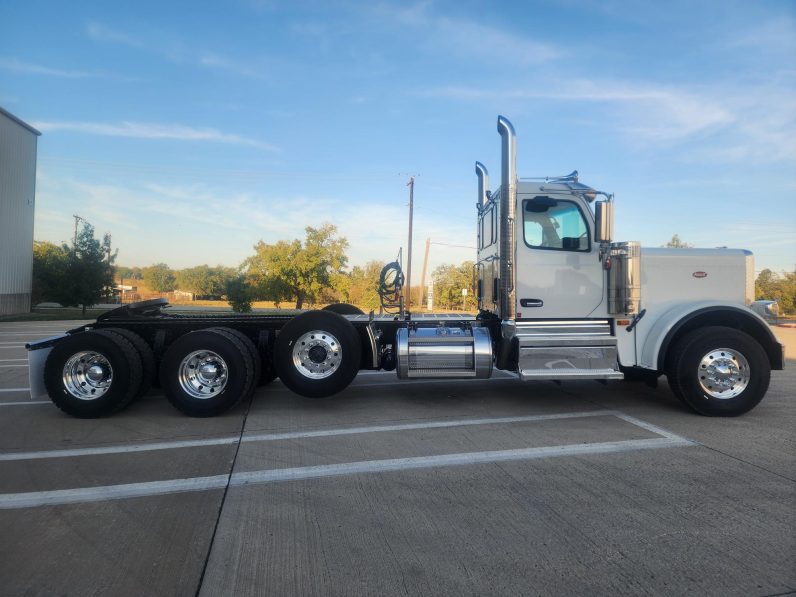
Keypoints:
pixel 490 487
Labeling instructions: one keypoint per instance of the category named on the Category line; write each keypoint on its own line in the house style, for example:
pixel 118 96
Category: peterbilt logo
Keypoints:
pixel 700 274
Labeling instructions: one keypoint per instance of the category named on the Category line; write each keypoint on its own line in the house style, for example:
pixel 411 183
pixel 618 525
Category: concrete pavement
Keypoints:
pixel 455 488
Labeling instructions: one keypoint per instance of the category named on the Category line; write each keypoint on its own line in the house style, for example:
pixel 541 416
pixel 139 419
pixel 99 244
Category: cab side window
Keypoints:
pixel 554 224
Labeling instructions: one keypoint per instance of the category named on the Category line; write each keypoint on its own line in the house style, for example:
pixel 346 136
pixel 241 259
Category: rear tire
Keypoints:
pixel 256 359
pixel 206 372
pixel 92 374
pixel 149 368
pixel 719 371
pixel 317 354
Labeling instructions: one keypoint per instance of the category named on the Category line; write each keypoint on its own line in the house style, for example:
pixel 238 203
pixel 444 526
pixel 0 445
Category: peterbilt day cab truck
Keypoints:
pixel 558 300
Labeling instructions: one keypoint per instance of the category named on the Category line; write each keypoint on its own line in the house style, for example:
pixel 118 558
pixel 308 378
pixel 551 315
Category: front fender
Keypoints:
pixel 683 317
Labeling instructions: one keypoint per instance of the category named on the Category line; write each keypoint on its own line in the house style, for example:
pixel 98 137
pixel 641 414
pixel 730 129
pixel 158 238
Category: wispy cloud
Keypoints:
pixel 732 123
pixel 665 113
pixel 473 40
pixel 233 66
pixel 140 130
pixel 470 39
pixel 776 36
pixel 100 32
pixel 18 66
pixel 173 50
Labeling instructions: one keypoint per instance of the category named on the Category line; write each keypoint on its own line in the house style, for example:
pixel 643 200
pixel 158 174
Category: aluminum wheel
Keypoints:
pixel 317 354
pixel 87 375
pixel 203 374
pixel 723 373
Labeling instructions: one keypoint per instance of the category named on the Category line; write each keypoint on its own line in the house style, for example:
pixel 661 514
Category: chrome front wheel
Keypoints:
pixel 723 373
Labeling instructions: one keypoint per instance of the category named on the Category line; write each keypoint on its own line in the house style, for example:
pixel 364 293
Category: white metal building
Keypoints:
pixel 17 200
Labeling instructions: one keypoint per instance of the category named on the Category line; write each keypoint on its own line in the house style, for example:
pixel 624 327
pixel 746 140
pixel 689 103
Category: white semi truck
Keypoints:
pixel 558 300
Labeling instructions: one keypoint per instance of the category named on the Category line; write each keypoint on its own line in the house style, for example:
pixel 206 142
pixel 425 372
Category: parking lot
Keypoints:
pixel 440 487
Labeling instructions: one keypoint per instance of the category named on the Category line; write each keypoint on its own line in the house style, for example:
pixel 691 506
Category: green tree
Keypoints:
pixel 676 243
pixel 449 281
pixel 50 263
pixel 205 281
pixel 128 273
pixel 89 270
pixel 772 287
pixel 239 294
pixel 159 277
pixel 297 270
pixel 363 286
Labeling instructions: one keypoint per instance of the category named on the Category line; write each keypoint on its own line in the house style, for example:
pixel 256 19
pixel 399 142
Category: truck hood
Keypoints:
pixel 676 275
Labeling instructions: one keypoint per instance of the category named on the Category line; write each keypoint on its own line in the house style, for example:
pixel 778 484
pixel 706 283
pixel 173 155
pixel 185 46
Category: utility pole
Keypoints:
pixel 110 270
pixel 423 274
pixel 411 185
pixel 77 219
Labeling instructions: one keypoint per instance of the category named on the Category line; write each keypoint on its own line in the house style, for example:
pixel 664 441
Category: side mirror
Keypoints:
pixel 604 221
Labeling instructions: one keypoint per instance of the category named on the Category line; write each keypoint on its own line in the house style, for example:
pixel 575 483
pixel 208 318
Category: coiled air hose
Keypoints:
pixel 391 281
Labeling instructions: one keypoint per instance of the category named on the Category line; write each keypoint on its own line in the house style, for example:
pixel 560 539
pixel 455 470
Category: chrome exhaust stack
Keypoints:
pixel 483 184
pixel 508 208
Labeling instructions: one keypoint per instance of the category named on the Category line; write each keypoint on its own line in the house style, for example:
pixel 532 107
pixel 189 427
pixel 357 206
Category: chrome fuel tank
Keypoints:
pixel 444 352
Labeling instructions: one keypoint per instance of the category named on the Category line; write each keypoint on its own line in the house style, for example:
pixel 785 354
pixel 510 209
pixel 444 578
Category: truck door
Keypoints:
pixel 558 273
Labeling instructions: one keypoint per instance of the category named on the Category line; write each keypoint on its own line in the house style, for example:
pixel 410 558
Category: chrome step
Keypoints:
pixel 569 352
pixel 529 374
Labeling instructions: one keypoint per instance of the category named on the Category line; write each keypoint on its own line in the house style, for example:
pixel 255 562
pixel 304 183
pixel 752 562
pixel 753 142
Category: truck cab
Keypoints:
pixel 564 301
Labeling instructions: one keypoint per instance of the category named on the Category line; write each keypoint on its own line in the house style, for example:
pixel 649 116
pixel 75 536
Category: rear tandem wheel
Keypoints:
pixel 206 372
pixel 92 374
pixel 317 354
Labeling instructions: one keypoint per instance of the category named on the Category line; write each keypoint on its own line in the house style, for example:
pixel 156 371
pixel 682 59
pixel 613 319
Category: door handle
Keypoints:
pixel 532 302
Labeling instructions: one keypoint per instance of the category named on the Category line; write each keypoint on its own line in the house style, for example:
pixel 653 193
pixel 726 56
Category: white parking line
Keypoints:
pixel 29 333
pixel 15 390
pixel 25 403
pixel 270 437
pixel 114 492
pixel 12 360
pixel 20 366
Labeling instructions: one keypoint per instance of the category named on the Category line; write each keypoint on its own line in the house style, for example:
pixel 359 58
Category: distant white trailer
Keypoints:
pixel 18 142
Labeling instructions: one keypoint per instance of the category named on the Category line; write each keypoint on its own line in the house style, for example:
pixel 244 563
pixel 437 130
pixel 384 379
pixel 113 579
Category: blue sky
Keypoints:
pixel 192 130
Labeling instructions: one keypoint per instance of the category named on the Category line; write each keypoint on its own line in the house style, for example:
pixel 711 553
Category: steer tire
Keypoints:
pixel 208 397
pixel 343 309
pixel 148 363
pixel 69 386
pixel 335 359
pixel 719 371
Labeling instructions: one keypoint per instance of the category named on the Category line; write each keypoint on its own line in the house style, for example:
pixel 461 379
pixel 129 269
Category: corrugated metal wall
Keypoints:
pixel 17 199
